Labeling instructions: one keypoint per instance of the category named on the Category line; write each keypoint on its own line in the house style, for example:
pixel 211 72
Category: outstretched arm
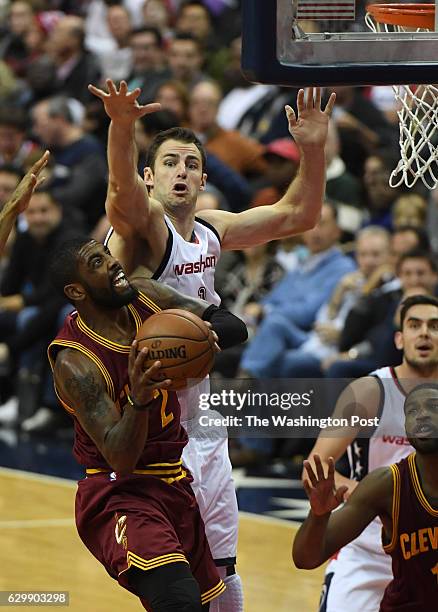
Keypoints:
pixel 230 330
pixel 128 206
pixel 300 207
pixel 325 532
pixel 20 199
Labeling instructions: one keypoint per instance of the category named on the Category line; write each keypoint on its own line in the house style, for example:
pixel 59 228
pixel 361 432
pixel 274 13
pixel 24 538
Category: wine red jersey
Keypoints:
pixel 414 544
pixel 166 437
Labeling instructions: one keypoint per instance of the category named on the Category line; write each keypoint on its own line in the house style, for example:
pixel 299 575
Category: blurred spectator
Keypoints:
pixel 209 200
pixel 15 148
pixel 305 359
pixel 148 62
pixel 366 340
pixel 251 275
pixel 363 129
pixel 283 159
pixel 379 196
pixel 75 67
pixel 286 316
pixel 173 96
pixel 158 14
pixel 406 238
pixel 13 48
pixel 10 176
pixel 409 209
pixel 195 18
pixel 341 185
pixel 116 63
pixel 242 154
pixel 29 305
pixel 185 58
pixel 79 177
pixel 8 83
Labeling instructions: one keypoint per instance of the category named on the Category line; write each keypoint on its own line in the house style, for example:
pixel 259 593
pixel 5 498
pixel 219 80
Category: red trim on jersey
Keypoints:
pixel 396 380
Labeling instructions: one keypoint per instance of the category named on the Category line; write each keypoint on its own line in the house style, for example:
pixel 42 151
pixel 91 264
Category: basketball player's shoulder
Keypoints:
pixel 366 391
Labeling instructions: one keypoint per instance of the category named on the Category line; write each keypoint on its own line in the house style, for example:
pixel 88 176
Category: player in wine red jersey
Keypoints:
pixel 404 495
pixel 135 510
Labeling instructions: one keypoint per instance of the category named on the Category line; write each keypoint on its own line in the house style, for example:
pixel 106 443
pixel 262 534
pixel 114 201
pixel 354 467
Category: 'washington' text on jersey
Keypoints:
pixel 196 266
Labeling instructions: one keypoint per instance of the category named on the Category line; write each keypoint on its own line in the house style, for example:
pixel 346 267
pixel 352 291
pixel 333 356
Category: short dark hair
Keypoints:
pixel 418 254
pixel 177 133
pixel 10 169
pixel 188 36
pixel 63 264
pixel 425 385
pixel 422 237
pixel 14 117
pixel 154 123
pixel 415 300
pixel 149 30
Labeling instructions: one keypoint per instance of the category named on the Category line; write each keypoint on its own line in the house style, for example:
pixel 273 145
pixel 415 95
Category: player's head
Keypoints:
pixel 174 172
pixel 421 418
pixel 418 335
pixel 86 273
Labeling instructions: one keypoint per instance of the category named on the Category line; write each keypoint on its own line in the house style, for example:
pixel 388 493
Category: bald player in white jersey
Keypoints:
pixel 154 226
pixel 357 576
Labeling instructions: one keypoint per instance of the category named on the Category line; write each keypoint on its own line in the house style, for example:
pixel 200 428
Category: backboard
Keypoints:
pixel 327 42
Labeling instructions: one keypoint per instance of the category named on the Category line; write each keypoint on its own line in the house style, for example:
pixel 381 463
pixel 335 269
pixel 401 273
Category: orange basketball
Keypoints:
pixel 181 341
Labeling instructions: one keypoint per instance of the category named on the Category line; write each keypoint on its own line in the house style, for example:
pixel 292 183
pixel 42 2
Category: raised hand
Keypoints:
pixel 321 491
pixel 122 105
pixel 21 197
pixel 309 129
pixel 144 383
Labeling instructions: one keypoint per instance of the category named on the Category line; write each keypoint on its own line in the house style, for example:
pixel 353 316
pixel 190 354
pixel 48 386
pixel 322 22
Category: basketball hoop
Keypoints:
pixel 418 113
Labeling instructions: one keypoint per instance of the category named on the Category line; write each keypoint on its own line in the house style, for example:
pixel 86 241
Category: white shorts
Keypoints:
pixel 206 456
pixel 356 579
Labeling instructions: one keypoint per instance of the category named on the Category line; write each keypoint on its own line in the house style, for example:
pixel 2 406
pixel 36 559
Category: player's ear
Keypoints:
pixel 148 176
pixel 75 292
pixel 203 182
pixel 398 340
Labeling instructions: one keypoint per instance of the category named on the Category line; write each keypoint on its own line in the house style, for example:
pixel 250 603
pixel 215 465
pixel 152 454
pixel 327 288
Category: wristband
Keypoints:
pixel 140 407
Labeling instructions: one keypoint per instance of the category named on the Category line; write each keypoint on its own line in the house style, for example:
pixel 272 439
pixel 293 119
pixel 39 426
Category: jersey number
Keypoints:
pixel 165 418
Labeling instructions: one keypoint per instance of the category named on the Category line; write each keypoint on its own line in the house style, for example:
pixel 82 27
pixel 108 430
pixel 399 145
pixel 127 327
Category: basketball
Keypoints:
pixel 181 341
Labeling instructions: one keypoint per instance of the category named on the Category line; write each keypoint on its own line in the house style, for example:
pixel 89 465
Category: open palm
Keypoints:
pixel 311 125
pixel 321 491
pixel 122 105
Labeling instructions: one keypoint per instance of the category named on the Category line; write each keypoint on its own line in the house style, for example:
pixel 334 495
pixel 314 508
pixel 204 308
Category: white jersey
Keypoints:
pixel 189 267
pixel 388 443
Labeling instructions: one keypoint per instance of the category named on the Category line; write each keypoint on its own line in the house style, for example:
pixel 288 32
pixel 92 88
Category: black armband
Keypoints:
pixel 230 329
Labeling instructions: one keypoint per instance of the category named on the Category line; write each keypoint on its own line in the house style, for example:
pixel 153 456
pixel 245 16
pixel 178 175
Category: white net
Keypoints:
pixel 418 119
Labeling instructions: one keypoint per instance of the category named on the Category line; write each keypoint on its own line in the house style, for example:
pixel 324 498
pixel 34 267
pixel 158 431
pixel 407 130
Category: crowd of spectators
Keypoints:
pixel 317 305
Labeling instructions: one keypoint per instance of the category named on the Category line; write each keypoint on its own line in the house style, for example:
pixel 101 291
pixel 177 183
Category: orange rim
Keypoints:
pixel 408 15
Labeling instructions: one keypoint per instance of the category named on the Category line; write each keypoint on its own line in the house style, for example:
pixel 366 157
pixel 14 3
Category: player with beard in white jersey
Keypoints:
pixel 154 225
pixel 357 576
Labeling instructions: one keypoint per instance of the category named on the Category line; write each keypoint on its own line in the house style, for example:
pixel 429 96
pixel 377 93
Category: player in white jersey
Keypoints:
pixel 154 221
pixel 358 575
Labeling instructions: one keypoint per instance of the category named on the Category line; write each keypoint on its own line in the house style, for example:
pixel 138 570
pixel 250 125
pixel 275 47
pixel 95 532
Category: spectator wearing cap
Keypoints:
pixel 283 159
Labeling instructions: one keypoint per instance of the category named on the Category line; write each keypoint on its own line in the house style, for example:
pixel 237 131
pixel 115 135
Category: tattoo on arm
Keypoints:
pixel 87 393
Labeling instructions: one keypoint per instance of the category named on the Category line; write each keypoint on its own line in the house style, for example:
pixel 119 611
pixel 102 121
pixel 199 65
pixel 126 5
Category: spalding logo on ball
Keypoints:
pixel 182 342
